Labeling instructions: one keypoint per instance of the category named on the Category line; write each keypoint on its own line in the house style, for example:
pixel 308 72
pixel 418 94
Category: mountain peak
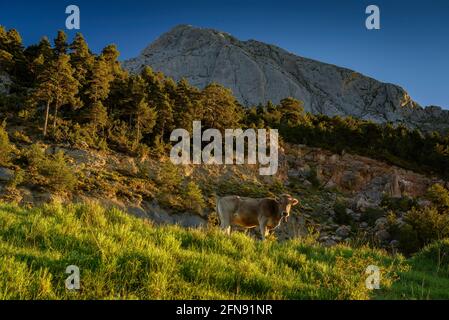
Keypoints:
pixel 257 72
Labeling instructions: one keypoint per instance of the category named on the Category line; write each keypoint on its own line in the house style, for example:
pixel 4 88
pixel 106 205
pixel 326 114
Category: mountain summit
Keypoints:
pixel 257 72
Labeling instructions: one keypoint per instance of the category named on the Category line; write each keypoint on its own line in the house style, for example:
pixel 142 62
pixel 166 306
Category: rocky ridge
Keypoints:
pixel 257 72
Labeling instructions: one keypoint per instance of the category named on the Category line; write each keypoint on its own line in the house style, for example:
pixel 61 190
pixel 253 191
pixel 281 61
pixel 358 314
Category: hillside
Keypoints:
pixel 257 73
pixel 121 257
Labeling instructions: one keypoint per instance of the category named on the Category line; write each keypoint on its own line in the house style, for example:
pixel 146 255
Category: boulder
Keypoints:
pixel 6 174
pixel 343 231
pixel 381 223
pixel 382 235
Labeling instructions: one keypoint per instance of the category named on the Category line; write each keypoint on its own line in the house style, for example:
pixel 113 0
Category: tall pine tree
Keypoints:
pixel 56 87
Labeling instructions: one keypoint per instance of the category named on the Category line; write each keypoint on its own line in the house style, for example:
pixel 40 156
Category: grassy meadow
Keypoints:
pixel 122 257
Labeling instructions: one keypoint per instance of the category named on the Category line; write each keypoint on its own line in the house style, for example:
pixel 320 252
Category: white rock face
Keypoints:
pixel 257 72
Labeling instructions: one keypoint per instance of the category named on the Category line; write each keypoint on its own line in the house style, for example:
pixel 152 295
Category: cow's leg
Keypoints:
pixel 225 222
pixel 263 228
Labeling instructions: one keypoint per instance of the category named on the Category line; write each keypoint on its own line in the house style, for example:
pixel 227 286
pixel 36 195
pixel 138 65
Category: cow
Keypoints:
pixel 265 213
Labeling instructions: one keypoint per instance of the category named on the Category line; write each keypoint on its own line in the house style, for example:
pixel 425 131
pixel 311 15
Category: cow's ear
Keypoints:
pixel 295 202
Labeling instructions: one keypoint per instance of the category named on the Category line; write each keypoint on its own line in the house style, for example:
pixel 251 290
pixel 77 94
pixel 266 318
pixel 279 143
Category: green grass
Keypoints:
pixel 122 257
pixel 427 277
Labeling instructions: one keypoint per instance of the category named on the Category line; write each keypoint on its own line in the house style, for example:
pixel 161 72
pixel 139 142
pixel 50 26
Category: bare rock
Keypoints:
pixel 6 174
pixel 382 235
pixel 257 72
pixel 343 231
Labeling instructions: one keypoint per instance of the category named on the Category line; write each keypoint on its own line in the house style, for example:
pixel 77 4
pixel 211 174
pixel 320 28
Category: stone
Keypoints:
pixel 329 243
pixel 343 231
pixel 356 216
pixel 382 235
pixel 189 221
pixel 364 225
pixel 6 174
pixel 257 72
pixel 381 223
pixel 394 243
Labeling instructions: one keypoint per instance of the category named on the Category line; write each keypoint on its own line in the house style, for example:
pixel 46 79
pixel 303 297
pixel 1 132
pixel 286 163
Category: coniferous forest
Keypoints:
pixel 68 94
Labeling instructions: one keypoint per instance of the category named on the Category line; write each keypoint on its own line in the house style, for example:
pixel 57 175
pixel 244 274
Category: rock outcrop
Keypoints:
pixel 257 72
pixel 5 83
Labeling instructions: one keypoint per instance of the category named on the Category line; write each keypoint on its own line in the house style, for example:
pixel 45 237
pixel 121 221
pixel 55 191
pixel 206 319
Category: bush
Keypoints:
pixel 56 173
pixel 341 216
pixel 5 146
pixel 243 188
pixel 439 196
pixel 19 177
pixel 59 174
pixel 437 253
pixel 193 197
pixel 402 204
pixel 371 215
pixel 168 177
pixel 407 237
pixel 430 224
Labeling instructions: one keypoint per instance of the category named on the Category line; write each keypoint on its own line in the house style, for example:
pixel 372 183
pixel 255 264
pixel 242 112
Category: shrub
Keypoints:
pixel 313 177
pixel 21 137
pixel 35 155
pixel 57 174
pixel 243 188
pixel 371 215
pixel 429 224
pixel 402 204
pixel 168 177
pixel 5 146
pixel 407 237
pixel 341 216
pixel 19 177
pixel 437 253
pixel 193 197
pixel 439 195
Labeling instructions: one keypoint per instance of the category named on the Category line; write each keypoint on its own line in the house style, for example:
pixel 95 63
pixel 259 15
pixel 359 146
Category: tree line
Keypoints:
pixel 68 94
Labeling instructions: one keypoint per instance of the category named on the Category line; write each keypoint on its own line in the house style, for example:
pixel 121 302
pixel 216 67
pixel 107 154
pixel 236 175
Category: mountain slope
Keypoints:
pixel 257 72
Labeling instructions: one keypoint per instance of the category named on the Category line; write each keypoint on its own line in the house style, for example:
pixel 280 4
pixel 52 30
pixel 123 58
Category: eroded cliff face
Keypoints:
pixel 257 72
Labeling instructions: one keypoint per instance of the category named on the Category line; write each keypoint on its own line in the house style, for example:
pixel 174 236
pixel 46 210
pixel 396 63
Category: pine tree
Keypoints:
pixel 44 48
pixel 221 110
pixel 292 111
pixel 187 106
pixel 99 83
pixel 57 87
pixel 81 58
pixel 61 45
pixel 98 115
pixel 160 100
pixel 97 90
pixel 145 119
pixel 110 55
pixel 11 43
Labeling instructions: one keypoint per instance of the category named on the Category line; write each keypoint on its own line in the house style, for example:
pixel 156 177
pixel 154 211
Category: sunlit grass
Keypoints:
pixel 122 257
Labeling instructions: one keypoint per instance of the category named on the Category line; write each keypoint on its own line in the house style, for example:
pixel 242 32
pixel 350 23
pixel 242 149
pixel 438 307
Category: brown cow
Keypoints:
pixel 266 213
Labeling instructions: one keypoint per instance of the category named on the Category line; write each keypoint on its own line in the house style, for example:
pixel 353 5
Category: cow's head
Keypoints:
pixel 286 202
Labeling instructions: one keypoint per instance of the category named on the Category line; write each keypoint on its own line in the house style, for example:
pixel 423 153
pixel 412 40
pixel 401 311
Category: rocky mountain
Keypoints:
pixel 257 72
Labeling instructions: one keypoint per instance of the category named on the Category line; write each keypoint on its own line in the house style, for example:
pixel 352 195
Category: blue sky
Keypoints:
pixel 411 49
